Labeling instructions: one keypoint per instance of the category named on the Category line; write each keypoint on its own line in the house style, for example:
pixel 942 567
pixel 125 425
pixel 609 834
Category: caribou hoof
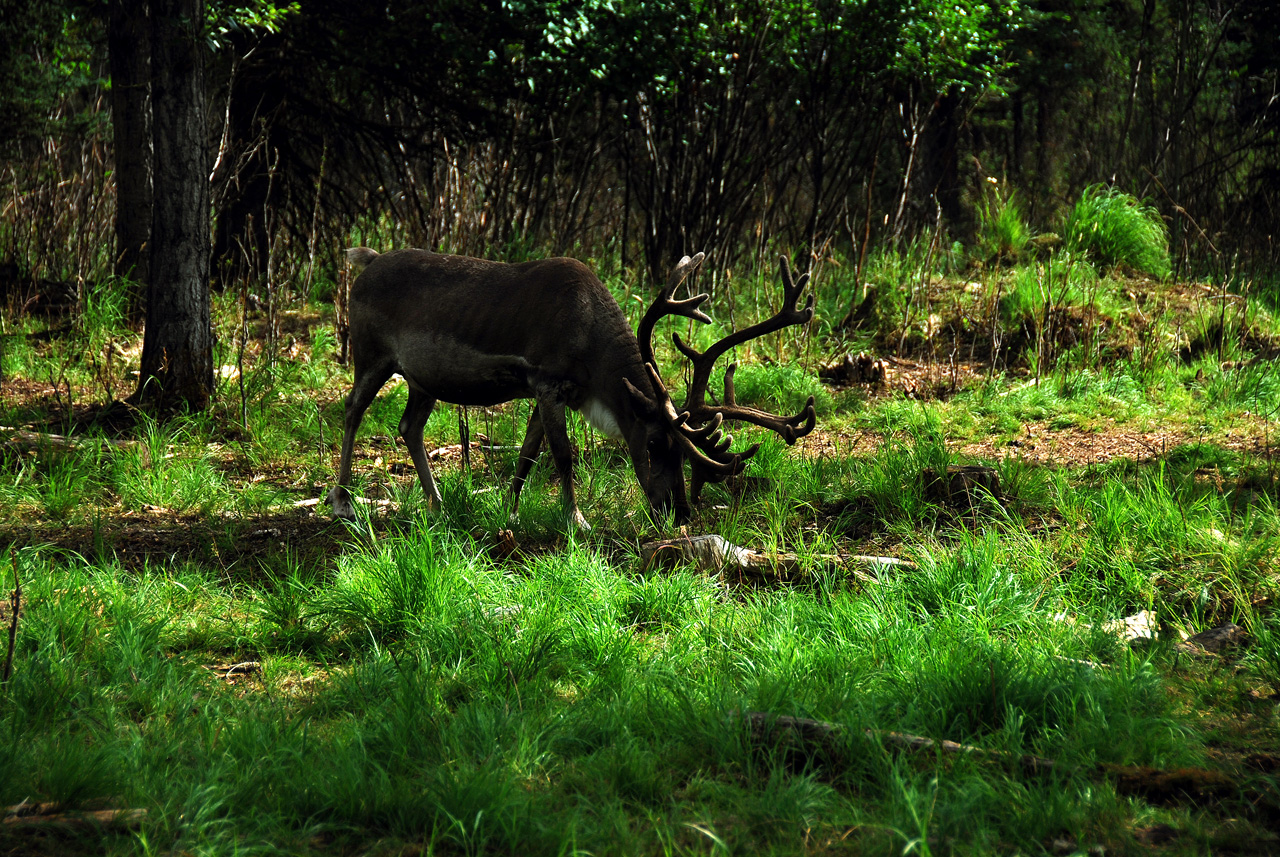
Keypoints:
pixel 340 501
pixel 579 523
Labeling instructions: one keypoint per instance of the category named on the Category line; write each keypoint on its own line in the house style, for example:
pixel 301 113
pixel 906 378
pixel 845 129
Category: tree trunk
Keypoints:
pixel 942 148
pixel 177 347
pixel 129 49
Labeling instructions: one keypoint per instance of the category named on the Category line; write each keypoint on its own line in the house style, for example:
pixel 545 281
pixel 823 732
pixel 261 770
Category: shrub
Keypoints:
pixel 1114 228
pixel 1002 231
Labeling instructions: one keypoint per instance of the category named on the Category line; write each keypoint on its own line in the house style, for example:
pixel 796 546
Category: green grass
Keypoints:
pixel 1002 229
pixel 1114 228
pixel 419 691
pixel 568 706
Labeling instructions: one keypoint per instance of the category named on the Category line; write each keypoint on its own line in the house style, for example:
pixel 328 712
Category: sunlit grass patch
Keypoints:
pixel 1114 228
pixel 424 682
pixel 183 484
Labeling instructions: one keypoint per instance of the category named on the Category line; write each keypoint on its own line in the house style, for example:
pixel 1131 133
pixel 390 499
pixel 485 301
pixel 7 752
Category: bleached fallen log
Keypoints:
pixel 230 671
pixel 48 815
pixel 1141 628
pixel 714 554
pixel 312 502
pixel 819 738
pixel 21 440
pixel 482 443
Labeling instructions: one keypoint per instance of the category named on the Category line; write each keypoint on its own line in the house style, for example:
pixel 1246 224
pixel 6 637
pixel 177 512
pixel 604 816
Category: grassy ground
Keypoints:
pixel 198 641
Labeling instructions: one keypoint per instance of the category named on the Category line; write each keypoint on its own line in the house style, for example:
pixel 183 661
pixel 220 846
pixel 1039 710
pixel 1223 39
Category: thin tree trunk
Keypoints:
pixel 129 49
pixel 177 347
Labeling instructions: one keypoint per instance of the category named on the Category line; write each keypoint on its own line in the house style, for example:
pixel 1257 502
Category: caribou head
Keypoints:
pixel 475 332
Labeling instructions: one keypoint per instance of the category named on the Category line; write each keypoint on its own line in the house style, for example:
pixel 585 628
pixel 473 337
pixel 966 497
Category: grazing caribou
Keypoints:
pixel 474 332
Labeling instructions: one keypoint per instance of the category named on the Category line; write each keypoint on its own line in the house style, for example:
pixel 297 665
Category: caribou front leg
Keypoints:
pixel 551 408
pixel 533 436
pixel 368 382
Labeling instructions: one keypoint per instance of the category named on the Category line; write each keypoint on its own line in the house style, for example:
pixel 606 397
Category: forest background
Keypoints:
pixel 1016 593
pixel 637 132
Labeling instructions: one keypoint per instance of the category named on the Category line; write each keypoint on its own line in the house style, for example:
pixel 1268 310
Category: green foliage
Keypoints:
pixel 1002 230
pixel 1114 228
pixel 228 18
pixel 44 52
pixel 1253 388
pixel 1023 303
pixel 956 44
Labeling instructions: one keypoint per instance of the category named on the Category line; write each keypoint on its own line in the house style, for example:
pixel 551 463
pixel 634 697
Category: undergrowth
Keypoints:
pixel 197 639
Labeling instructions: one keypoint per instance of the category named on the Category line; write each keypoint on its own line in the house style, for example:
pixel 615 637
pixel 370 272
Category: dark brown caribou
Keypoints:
pixel 474 332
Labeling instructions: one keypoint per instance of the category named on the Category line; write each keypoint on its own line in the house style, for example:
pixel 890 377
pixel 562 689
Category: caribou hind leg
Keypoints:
pixel 416 413
pixel 363 392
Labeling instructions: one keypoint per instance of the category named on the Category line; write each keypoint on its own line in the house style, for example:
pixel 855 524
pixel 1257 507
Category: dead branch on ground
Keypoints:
pixel 818 739
pixel 714 554
pixel 15 605
pixel 50 815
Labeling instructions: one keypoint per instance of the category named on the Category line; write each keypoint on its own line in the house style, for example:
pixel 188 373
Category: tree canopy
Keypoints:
pixel 650 129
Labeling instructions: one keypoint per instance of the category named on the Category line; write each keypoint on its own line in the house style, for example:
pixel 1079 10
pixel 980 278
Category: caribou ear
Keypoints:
pixel 645 405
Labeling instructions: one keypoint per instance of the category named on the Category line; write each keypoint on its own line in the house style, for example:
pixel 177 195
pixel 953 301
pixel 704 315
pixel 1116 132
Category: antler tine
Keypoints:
pixel 704 362
pixel 686 266
pixel 790 428
pixel 663 305
pixel 706 447
pixel 701 474
pixel 791 292
pixel 707 435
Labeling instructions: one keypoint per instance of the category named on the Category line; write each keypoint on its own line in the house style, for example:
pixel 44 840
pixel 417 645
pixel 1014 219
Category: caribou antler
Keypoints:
pixel 663 306
pixel 790 428
pixel 699 422
pixel 706 447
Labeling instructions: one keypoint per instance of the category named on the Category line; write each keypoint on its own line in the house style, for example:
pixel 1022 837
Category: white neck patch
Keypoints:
pixel 601 418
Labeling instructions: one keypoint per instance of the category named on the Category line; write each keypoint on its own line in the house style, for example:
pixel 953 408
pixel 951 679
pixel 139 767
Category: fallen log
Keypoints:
pixel 230 671
pixel 49 815
pixel 714 554
pixel 819 739
pixel 482 443
pixel 22 441
pixel 825 737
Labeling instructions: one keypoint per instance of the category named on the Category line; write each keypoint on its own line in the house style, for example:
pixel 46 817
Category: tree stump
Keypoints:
pixel 962 487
